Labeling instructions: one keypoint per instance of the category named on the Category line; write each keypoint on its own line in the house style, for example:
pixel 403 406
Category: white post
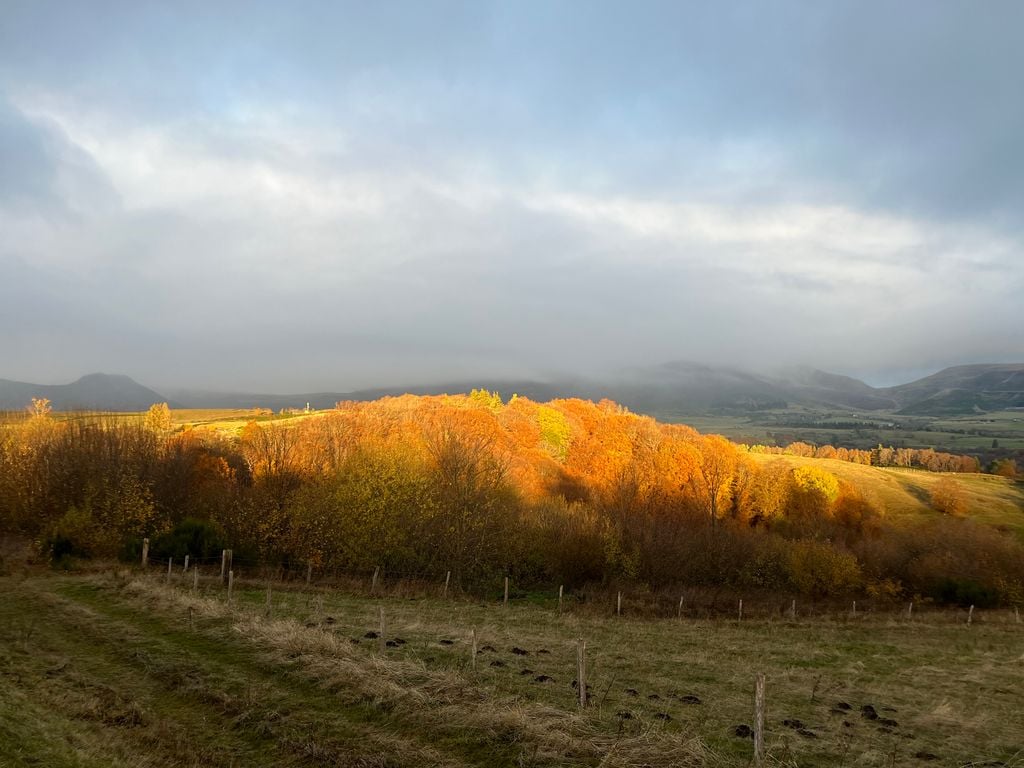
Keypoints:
pixel 195 578
pixel 185 569
pixel 741 610
pixel 373 585
pixel 381 642
pixel 618 605
pixel 679 610
pixel 560 598
pixel 910 610
pixel 970 615
pixel 854 607
pixel 145 552
pixel 581 671
pixel 169 560
pixel 447 579
pixel 759 721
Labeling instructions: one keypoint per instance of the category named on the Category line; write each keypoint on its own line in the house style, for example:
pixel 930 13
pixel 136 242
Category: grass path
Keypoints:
pixel 108 671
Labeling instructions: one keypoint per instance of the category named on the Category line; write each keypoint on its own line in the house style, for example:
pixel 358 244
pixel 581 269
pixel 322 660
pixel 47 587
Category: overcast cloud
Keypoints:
pixel 301 196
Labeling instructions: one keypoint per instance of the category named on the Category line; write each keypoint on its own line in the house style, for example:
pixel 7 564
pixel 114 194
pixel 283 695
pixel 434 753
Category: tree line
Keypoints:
pixel 566 492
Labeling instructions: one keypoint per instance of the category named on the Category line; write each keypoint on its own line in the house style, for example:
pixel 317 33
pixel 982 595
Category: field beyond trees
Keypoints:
pixel 121 669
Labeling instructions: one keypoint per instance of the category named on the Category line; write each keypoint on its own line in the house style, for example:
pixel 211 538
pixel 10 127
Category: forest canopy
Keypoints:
pixel 567 492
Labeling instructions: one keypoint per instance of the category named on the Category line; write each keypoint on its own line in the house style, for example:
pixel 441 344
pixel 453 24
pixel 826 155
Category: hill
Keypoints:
pixel 962 389
pixel 97 391
pixel 902 493
pixel 670 391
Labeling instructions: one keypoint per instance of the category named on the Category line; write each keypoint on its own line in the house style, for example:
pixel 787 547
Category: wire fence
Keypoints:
pixel 628 601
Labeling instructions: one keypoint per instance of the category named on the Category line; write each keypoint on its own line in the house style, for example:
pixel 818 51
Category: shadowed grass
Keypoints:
pixel 108 671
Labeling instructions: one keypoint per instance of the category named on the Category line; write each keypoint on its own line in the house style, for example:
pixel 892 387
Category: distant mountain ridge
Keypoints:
pixel 676 388
pixel 94 392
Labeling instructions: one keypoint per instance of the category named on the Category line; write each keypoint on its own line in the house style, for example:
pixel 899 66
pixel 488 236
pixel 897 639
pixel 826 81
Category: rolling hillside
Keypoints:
pixel 905 493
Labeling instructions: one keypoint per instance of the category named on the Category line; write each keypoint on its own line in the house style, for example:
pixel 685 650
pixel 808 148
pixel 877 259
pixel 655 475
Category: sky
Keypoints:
pixel 326 195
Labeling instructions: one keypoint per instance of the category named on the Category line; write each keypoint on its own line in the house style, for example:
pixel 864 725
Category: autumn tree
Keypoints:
pixel 158 417
pixel 1005 468
pixel 714 475
pixel 40 407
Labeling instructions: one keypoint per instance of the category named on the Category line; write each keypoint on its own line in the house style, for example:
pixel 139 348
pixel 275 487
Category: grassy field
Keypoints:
pixel 900 492
pixel 110 670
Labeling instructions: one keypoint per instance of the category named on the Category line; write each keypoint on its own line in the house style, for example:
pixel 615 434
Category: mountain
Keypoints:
pixel 962 389
pixel 535 390
pixel 667 391
pixel 95 392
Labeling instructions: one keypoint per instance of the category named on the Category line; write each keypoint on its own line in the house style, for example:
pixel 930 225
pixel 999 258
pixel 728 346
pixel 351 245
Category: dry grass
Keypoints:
pixel 906 492
pixel 108 671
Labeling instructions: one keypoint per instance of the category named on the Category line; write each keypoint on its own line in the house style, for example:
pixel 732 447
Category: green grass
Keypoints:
pixel 108 671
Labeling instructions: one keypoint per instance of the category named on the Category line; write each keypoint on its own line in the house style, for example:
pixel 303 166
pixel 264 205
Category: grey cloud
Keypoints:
pixel 202 204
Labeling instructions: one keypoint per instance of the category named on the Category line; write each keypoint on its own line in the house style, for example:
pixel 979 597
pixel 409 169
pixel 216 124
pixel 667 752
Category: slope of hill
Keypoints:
pixel 905 493
pixel 962 389
pixel 97 391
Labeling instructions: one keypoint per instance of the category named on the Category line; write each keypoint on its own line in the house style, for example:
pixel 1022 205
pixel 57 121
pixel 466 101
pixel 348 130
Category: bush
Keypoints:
pixel 199 539
pixel 966 592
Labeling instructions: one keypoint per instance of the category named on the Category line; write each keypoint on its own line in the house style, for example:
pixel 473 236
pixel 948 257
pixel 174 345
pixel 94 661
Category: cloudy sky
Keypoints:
pixel 304 195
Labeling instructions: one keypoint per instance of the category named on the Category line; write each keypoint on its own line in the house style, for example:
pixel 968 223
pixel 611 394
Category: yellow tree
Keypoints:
pixel 158 417
pixel 715 472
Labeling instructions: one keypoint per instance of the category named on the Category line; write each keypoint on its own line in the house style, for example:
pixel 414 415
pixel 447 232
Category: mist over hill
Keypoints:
pixel 671 389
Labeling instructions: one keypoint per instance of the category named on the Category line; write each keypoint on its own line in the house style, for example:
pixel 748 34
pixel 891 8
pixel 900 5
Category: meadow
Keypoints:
pixel 119 668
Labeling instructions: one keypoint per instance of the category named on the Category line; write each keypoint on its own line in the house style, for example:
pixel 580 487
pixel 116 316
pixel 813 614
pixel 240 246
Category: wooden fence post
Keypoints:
pixel 223 564
pixel 506 593
pixel 185 569
pixel 169 562
pixel 618 605
pixel 741 611
pixel 447 579
pixel 195 578
pixel 759 720
pixel 472 661
pixel 231 585
pixel 679 610
pixel 381 642
pixel 970 615
pixel 560 598
pixel 910 610
pixel 145 552
pixel 581 671
pixel 373 584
